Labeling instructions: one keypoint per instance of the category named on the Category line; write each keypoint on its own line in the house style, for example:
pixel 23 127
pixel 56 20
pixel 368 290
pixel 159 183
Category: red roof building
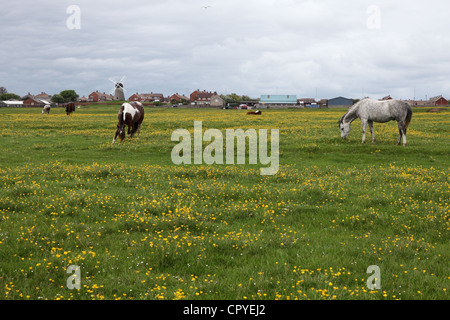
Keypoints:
pixel 98 97
pixel 438 101
pixel 201 97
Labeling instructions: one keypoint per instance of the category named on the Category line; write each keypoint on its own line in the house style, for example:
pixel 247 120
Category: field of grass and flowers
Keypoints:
pixel 140 227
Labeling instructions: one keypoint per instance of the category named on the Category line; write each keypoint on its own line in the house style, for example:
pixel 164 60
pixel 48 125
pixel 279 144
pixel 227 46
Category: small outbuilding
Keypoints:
pixel 339 102
pixel 438 101
pixel 278 100
pixel 11 104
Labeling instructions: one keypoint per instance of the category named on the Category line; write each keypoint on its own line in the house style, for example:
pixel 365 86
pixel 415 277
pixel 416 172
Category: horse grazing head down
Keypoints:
pixel 132 115
pixel 121 130
pixel 46 109
pixel 344 127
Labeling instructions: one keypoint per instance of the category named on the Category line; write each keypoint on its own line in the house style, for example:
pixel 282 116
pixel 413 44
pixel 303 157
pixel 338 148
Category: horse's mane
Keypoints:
pixel 351 111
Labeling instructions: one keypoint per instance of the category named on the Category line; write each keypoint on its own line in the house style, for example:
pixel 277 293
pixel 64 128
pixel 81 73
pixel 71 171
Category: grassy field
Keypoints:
pixel 140 227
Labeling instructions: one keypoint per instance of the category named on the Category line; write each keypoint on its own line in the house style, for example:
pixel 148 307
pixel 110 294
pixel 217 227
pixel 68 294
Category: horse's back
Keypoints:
pixel 140 107
pixel 135 109
pixel 383 111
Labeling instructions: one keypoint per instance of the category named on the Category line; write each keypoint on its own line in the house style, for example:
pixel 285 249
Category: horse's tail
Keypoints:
pixel 408 116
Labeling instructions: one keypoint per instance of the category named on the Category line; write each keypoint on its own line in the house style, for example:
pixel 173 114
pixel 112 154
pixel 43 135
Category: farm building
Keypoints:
pixel 438 101
pixel 278 100
pixel 339 102
pixel 35 103
pixel 323 103
pixel 11 104
pixel 306 102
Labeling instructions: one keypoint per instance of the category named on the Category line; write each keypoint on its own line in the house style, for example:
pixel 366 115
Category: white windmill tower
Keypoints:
pixel 118 89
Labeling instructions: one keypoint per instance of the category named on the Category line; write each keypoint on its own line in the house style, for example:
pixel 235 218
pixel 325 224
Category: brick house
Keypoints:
pixel 217 101
pixel 201 97
pixel 35 103
pixel 178 97
pixel 43 96
pixel 147 97
pixel 99 97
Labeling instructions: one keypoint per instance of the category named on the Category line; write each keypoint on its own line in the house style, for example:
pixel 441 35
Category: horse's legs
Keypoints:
pixel 371 131
pixel 402 133
pixel 138 128
pixel 117 133
pixel 133 129
pixel 364 126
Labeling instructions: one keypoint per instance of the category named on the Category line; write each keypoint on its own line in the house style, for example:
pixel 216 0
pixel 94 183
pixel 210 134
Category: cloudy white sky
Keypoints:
pixel 317 49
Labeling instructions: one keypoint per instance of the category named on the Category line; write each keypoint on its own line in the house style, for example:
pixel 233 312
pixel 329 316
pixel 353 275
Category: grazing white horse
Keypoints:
pixel 370 111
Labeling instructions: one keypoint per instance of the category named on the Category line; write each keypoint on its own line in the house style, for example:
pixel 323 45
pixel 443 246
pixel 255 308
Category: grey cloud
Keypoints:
pixel 249 47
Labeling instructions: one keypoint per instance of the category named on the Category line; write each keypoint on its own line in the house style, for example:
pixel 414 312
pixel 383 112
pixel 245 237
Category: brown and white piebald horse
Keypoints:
pixel 46 109
pixel 132 115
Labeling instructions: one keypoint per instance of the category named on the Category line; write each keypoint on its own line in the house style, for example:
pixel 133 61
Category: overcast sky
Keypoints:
pixel 316 49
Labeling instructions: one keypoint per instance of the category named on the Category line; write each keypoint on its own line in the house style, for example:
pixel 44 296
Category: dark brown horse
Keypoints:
pixel 70 107
pixel 132 115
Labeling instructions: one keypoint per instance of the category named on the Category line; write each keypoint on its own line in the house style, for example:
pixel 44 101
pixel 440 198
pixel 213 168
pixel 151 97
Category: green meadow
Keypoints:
pixel 139 227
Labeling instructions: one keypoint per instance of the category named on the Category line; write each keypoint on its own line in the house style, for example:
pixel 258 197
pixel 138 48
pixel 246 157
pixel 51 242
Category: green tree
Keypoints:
pixel 8 96
pixel 57 98
pixel 69 95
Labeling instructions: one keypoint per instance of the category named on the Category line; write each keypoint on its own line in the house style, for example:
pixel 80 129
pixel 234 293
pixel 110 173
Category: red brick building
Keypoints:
pixel 98 97
pixel 147 97
pixel 178 97
pixel 34 103
pixel 201 97
pixel 43 95
pixel 439 101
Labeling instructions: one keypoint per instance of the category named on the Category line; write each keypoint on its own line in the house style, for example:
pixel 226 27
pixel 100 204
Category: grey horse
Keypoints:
pixel 370 111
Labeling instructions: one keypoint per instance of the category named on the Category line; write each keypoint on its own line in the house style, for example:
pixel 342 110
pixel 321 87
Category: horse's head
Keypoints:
pixel 121 131
pixel 344 127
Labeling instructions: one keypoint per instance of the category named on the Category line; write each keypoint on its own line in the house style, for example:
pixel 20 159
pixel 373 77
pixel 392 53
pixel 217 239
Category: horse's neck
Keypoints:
pixel 351 115
pixel 121 118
